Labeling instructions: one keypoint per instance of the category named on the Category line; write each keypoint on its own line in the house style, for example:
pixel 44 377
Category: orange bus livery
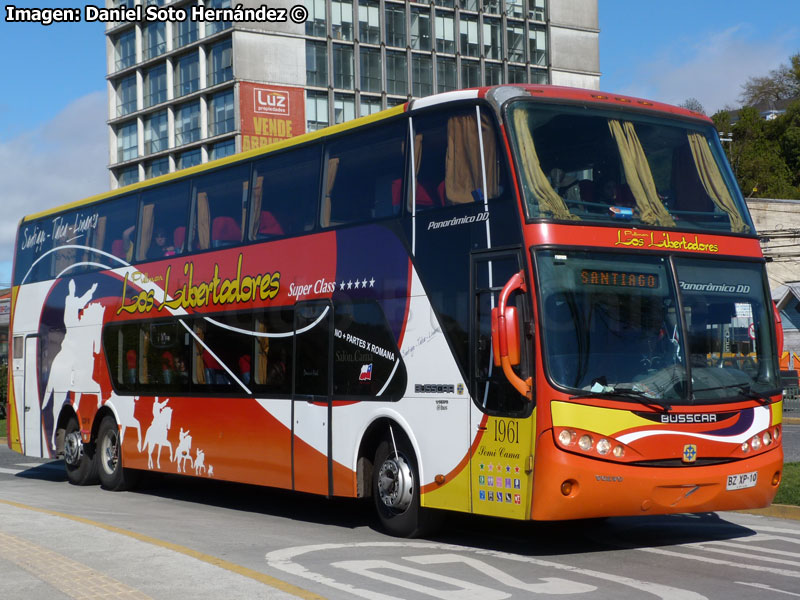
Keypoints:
pixel 522 301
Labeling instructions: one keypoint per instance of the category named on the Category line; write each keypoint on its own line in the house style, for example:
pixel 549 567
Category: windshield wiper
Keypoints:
pixel 744 389
pixel 644 398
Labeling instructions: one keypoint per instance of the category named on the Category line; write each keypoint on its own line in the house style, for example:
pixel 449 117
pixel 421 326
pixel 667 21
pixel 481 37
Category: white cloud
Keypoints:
pixel 712 70
pixel 60 161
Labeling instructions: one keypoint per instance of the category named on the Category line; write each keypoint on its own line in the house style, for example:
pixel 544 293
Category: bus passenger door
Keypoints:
pixel 501 463
pixel 32 405
pixel 311 399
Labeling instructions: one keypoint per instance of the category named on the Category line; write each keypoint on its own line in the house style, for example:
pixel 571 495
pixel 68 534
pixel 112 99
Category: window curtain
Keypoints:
pixel 712 181
pixel 333 166
pixel 262 348
pixel 533 176
pixel 100 233
pixel 255 213
pixel 462 163
pixel 417 165
pixel 147 231
pixel 203 222
pixel 199 366
pixel 638 175
pixel 145 353
pixel 242 230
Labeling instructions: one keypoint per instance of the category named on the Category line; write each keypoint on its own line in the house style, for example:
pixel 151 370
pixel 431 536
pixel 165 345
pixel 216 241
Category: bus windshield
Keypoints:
pixel 604 166
pixel 611 325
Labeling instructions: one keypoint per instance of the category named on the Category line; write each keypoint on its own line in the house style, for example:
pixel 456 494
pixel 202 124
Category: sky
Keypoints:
pixel 53 105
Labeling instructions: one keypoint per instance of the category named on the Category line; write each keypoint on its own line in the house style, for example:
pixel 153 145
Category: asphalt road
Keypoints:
pixel 179 538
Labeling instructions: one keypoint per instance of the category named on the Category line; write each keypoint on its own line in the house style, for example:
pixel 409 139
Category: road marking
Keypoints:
pixel 10 471
pixel 717 561
pixel 206 558
pixel 285 561
pixel 764 586
pixel 74 579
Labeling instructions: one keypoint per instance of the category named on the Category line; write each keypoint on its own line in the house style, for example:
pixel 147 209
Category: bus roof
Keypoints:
pixel 491 94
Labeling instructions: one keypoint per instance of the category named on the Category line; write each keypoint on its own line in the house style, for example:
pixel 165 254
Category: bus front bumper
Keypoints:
pixel 570 486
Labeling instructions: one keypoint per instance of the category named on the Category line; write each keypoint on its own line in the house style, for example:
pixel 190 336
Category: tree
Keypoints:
pixel 693 104
pixel 781 84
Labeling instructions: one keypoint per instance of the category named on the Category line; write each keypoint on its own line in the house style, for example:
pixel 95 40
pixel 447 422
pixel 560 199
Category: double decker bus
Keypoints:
pixel 529 302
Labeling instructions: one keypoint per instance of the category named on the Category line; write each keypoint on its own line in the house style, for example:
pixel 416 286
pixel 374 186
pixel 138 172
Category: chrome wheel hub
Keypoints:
pixel 73 448
pixel 109 453
pixel 396 483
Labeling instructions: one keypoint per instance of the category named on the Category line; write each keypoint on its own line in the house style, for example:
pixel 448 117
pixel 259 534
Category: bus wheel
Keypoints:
pixel 395 490
pixel 109 457
pixel 79 459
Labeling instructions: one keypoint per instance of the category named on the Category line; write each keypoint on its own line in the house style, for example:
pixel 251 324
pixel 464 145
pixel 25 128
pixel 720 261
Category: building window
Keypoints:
pixel 536 10
pixel 126 96
pixel 492 39
pixel 396 73
pixel 154 42
pixel 517 74
pixel 344 108
pixel 125 50
pixel 421 75
pixel 470 73
pixel 369 26
pixel 515 8
pixel 468 4
pixel 468 36
pixel 213 27
pixel 539 76
pixel 420 28
pixel 395 25
pixel 187 123
pixel 127 176
pixel 445 33
pixel 222 149
pixel 316 23
pixel 221 114
pixel 445 3
pixel 185 32
pixel 220 62
pixel 491 6
pixel 156 136
pixel 127 142
pixel 446 74
pixel 369 105
pixel 155 85
pixel 316 110
pixel 370 69
pixel 342 20
pixel 316 63
pixel 537 45
pixel 494 73
pixel 189 158
pixel 187 74
pixel 343 67
pixel 516 42
pixel 154 168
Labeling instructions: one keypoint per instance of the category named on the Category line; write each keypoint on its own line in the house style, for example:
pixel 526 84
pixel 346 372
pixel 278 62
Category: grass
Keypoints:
pixel 789 492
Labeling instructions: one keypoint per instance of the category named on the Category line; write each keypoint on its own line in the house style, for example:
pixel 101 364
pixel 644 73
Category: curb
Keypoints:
pixel 792 420
pixel 779 511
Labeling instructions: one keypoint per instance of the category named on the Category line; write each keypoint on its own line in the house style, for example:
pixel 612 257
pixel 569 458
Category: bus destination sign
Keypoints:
pixel 619 279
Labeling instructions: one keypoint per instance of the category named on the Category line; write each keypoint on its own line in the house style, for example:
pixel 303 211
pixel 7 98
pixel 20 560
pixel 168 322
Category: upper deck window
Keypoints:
pixel 609 167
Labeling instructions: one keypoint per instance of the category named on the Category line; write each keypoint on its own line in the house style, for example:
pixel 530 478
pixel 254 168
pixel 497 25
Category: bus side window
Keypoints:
pixel 272 349
pixel 219 207
pixel 163 211
pixel 285 191
pixel 447 163
pixel 358 183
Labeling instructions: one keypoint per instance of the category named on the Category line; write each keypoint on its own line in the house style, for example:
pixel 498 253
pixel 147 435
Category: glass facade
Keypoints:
pixel 361 56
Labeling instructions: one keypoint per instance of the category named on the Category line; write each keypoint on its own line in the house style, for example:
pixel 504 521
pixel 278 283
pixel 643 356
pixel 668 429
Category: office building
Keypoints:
pixel 182 93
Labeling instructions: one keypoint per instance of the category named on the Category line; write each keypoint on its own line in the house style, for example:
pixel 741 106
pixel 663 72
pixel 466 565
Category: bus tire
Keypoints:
pixel 109 458
pixel 79 459
pixel 395 490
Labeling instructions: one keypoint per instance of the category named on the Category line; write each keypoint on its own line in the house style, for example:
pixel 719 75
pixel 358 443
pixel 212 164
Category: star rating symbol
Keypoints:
pixel 350 284
pixel 358 283
pixel 341 286
pixel 372 282
pixel 362 284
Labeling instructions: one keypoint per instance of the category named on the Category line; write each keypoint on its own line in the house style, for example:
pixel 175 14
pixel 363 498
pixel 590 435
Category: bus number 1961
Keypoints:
pixel 506 431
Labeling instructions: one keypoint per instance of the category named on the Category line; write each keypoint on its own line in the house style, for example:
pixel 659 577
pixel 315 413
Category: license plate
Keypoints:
pixel 742 481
